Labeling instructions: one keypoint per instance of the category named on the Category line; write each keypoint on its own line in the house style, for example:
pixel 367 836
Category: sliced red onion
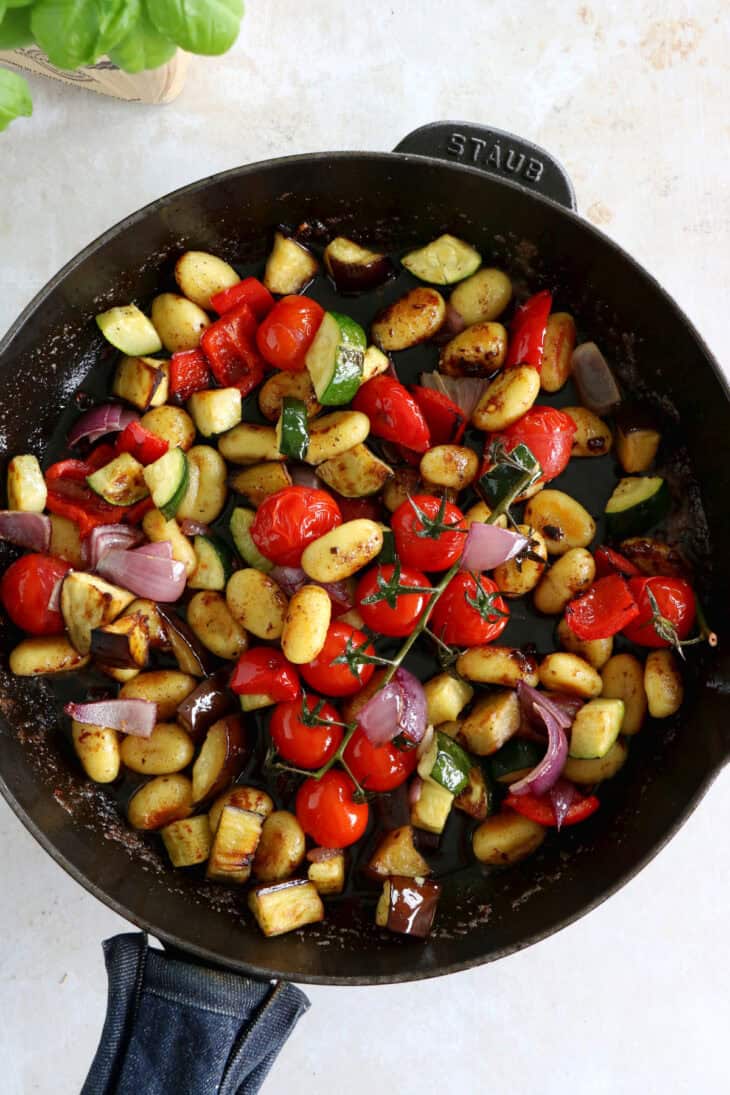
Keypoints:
pixel 570 705
pixel 547 772
pixel 426 741
pixel 594 379
pixel 529 697
pixel 562 796
pixel 188 527
pixel 157 576
pixel 161 549
pixel 137 717
pixel 487 546
pixel 25 530
pixel 98 421
pixel 455 322
pixel 398 708
pixel 105 537
pixel 414 790
pixel 465 391
pixel 302 476
pixel 321 855
pixel 340 593
pixel 291 579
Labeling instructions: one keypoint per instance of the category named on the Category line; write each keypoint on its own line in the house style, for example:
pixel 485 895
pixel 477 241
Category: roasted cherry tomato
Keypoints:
pixel 527 331
pixel 383 607
pixel 250 291
pixel 445 419
pixel 539 808
pixel 548 434
pixel 607 608
pixel 379 767
pixel 339 679
pixel 264 671
pixel 422 527
pixel 676 603
pixel 328 813
pixel 306 744
pixel 393 412
pixel 26 589
pixel 609 561
pixel 470 611
pixel 288 331
pixel 290 519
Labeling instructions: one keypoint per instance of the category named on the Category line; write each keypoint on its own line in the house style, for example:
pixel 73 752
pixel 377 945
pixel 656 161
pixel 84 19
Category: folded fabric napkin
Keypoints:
pixel 176 1028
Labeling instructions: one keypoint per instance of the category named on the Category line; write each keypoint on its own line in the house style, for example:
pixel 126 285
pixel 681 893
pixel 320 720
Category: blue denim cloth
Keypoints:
pixel 176 1028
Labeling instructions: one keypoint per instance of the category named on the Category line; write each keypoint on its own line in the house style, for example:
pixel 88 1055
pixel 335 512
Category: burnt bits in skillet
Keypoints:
pixel 384 200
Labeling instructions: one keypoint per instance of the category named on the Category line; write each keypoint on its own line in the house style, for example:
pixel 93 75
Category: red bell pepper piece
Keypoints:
pixel 230 348
pixel 607 608
pixel 262 670
pixel 249 291
pixel 70 496
pixel 189 373
pixel 527 331
pixel 609 562
pixel 393 412
pixel 539 808
pixel 141 444
pixel 444 418
pixel 133 514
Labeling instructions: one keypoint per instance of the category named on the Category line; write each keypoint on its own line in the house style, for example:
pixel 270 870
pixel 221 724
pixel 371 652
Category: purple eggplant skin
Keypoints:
pixel 413 904
pixel 210 701
pixel 189 652
pixel 123 644
pixel 358 272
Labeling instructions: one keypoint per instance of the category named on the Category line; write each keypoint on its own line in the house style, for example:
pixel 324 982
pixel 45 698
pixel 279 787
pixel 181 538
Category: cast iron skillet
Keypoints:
pixel 515 203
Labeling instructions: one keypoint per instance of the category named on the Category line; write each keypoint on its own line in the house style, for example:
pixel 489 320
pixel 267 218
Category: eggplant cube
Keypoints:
pixel 396 854
pixel 187 841
pixel 123 644
pixel 407 906
pixel 328 875
pixel 236 839
pixel 286 906
pixel 221 757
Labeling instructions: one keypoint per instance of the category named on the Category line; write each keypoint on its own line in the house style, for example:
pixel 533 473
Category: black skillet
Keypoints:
pixel 515 203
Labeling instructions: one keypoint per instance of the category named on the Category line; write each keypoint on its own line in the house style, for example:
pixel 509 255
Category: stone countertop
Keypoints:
pixel 632 98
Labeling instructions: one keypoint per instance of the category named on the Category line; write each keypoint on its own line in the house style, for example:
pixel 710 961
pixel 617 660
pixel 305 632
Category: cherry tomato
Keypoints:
pixel 428 544
pixel 26 589
pixel 379 767
pixel 393 412
pixel 288 331
pixel 290 519
pixel 548 434
pixel 338 680
pixel 469 613
pixel 327 812
pixel 398 615
pixel 264 671
pixel 301 744
pixel 607 608
pixel 675 601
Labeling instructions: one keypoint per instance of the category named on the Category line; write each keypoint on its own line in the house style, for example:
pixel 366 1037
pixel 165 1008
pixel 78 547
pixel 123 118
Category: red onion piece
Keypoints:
pixel 486 546
pixel 291 579
pixel 398 708
pixel 25 530
pixel 529 696
pixel 414 790
pixel 105 537
pixel 570 705
pixel 188 527
pixel 455 322
pixel 162 549
pixel 562 796
pixel 594 379
pixel 340 593
pixel 98 421
pixel 321 855
pixel 547 772
pixel 137 717
pixel 425 743
pixel 157 576
pixel 302 476
pixel 465 391
pixel 54 601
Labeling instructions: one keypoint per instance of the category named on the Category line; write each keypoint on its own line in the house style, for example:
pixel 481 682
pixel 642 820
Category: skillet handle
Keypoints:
pixel 496 153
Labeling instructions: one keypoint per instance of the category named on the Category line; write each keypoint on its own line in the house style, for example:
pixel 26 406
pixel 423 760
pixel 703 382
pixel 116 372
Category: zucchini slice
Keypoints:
pixel 167 480
pixel 215 565
pixel 292 432
pixel 595 728
pixel 446 764
pixel 121 482
pixel 129 330
pixel 240 528
pixel 289 267
pixel 443 262
pixel 636 505
pixel 335 359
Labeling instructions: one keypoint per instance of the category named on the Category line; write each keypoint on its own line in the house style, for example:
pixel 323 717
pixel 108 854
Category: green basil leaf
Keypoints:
pixel 78 32
pixel 3 9
pixel 15 101
pixel 15 29
pixel 199 26
pixel 143 48
pixel 19 3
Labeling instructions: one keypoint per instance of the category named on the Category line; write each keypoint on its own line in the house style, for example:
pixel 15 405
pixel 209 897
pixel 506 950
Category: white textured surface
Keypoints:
pixel 632 96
